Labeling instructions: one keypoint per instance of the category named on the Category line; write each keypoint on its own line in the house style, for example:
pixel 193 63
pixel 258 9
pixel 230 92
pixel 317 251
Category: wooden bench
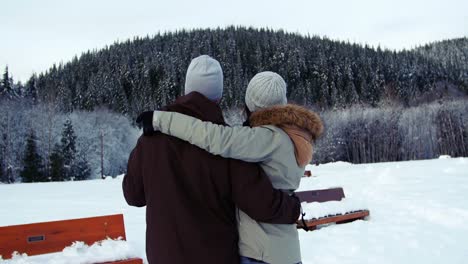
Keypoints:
pixel 326 195
pixel 50 237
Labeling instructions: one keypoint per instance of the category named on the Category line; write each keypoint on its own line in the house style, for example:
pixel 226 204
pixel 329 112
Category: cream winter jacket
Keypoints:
pixel 280 139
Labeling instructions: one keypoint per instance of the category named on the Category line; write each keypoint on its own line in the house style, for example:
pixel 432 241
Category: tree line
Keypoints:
pixel 149 72
pixel 393 133
pixel 74 121
pixel 40 143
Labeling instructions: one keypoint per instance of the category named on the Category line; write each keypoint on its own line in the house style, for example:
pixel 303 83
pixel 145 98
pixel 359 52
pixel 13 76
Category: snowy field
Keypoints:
pixel 419 212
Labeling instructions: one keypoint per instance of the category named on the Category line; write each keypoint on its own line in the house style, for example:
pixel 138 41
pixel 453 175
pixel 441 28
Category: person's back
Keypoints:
pixel 282 154
pixel 191 195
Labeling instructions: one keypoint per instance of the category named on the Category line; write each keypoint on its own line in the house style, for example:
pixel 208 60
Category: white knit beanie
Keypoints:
pixel 204 75
pixel 264 90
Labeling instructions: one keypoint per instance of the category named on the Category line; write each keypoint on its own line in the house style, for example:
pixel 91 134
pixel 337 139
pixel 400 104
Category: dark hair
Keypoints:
pixel 248 114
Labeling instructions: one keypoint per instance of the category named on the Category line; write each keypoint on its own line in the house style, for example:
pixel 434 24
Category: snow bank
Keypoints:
pixel 80 253
pixel 318 210
pixel 444 157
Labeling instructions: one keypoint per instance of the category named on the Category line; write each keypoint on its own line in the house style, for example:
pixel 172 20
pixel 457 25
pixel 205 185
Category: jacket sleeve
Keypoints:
pixel 244 143
pixel 254 194
pixel 132 184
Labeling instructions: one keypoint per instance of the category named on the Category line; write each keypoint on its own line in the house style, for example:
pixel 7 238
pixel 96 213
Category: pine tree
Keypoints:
pixel 2 158
pixel 82 171
pixel 2 174
pixel 6 79
pixel 31 89
pixel 33 169
pixel 68 149
pixel 56 165
pixel 6 84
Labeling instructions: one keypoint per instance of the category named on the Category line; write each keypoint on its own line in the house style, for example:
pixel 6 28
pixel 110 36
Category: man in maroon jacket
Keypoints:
pixel 191 195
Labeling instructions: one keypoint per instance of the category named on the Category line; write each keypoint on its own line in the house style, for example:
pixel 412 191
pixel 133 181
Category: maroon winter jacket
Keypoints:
pixel 191 195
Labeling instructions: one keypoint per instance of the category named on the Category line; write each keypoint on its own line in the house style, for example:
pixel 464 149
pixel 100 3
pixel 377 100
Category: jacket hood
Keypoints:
pixel 302 126
pixel 289 115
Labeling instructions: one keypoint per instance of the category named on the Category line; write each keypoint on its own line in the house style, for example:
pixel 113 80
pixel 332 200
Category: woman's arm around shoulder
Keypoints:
pixel 245 143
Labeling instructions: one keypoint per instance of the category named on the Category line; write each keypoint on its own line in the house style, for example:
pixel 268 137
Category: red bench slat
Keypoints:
pixel 325 195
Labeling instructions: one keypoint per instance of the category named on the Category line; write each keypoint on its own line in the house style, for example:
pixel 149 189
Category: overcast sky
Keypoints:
pixel 37 33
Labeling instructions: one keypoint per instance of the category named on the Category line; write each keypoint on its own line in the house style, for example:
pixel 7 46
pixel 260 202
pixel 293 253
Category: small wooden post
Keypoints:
pixel 102 154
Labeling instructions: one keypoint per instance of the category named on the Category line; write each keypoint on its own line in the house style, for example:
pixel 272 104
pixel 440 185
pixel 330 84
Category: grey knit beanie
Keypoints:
pixel 204 75
pixel 264 90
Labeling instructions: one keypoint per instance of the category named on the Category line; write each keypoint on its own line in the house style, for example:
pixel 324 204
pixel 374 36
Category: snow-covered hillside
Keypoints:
pixel 419 211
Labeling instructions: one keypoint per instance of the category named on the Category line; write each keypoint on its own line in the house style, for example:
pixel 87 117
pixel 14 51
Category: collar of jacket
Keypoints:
pixel 289 115
pixel 302 126
pixel 196 105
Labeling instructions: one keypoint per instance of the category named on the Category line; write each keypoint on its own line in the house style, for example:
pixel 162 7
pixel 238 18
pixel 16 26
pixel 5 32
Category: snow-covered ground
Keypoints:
pixel 419 211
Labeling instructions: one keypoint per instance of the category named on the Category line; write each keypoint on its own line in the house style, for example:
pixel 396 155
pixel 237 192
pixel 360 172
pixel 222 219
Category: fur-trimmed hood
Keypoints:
pixel 302 126
pixel 289 115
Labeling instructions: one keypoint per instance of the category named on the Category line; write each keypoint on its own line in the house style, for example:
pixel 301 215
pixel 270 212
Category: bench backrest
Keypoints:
pixel 333 194
pixel 49 237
